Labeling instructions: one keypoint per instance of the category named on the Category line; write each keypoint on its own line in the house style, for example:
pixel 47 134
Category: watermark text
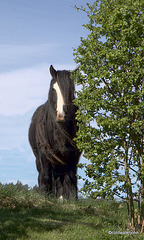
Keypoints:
pixel 118 232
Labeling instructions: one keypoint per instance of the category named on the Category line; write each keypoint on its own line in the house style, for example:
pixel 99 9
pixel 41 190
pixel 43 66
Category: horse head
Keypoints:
pixel 62 90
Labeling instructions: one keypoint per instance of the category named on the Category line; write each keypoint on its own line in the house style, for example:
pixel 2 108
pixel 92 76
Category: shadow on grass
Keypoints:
pixel 20 223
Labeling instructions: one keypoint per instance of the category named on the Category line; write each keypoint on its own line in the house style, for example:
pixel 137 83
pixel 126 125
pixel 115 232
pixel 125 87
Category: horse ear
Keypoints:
pixel 53 72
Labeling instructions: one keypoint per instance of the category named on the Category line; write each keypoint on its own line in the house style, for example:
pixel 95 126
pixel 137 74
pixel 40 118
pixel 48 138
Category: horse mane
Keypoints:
pixel 54 137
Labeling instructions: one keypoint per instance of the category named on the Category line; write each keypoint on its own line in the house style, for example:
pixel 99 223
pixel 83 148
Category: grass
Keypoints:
pixel 26 214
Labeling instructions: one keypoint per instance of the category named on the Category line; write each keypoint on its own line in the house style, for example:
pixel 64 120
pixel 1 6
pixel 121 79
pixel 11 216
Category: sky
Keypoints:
pixel 33 35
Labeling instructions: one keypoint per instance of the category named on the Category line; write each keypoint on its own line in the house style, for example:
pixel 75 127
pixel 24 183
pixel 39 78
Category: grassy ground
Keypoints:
pixel 25 214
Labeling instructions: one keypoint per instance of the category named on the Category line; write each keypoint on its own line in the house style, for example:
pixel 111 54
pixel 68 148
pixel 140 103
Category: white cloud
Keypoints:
pixel 24 89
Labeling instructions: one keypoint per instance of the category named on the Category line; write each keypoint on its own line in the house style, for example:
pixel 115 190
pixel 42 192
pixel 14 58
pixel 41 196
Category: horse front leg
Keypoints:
pixel 66 183
pixel 57 184
pixel 45 175
pixel 70 186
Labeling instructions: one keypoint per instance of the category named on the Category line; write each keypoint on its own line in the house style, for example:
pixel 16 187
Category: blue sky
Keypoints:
pixel 33 35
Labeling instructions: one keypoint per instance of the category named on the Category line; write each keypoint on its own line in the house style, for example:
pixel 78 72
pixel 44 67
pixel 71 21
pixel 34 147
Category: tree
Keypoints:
pixel 111 102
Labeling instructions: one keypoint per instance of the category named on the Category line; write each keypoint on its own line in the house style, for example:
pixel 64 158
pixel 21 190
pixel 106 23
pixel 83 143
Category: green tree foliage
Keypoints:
pixel 111 102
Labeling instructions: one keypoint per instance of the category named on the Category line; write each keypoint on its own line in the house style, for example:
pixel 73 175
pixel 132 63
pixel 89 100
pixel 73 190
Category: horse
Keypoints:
pixel 51 135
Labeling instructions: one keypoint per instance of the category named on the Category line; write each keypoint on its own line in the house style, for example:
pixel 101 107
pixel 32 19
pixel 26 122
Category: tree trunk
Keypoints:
pixel 130 202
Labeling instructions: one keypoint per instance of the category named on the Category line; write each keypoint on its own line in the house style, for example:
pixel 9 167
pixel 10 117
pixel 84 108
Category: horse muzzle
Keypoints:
pixel 60 117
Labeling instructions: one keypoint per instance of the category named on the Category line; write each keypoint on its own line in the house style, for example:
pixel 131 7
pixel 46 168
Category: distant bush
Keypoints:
pixel 20 195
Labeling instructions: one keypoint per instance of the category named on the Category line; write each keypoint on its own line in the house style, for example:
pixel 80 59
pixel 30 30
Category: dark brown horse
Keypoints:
pixel 51 133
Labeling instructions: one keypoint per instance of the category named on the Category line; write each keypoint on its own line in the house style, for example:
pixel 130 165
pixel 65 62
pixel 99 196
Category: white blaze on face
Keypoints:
pixel 60 100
